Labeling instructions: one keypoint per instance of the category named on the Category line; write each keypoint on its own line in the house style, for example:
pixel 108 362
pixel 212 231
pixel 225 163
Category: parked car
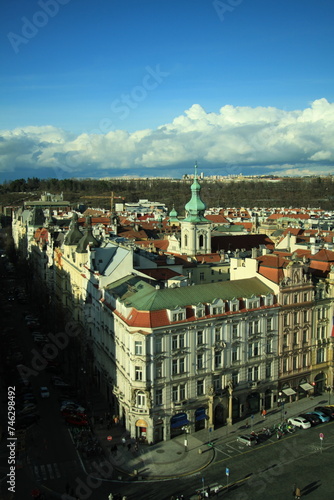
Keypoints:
pixel 300 422
pixel 25 421
pixel 44 391
pixel 72 407
pixel 76 420
pixel 25 410
pixel 311 417
pixel 247 439
pixel 327 410
pixel 58 381
pixel 26 398
pixel 322 416
pixel 72 413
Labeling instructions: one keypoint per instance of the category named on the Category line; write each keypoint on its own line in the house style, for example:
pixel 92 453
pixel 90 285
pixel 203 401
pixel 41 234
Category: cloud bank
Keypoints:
pixel 264 139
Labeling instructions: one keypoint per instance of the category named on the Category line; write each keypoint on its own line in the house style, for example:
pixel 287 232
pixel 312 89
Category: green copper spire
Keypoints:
pixel 195 207
pixel 173 215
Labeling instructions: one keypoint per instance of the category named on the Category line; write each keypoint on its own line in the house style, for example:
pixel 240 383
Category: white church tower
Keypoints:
pixel 195 228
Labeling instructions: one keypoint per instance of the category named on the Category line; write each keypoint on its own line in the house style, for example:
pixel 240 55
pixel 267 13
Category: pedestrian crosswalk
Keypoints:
pixel 46 472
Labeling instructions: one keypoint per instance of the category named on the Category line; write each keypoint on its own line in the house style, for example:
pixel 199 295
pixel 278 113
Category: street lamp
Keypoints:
pixel 185 429
pixel 281 403
pixel 329 391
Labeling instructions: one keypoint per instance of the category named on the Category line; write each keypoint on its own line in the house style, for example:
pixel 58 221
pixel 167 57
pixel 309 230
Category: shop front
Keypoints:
pixel 253 403
pixel 319 383
pixel 141 430
pixel 177 424
pixel 200 418
pixel 304 389
pixel 219 416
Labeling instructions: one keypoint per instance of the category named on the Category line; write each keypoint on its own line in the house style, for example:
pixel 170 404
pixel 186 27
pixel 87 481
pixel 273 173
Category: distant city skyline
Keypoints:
pixel 148 88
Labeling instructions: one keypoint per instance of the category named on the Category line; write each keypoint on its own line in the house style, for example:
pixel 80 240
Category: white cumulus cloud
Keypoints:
pixel 273 139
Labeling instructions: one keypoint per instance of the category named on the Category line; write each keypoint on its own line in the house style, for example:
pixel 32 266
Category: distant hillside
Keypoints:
pixel 294 192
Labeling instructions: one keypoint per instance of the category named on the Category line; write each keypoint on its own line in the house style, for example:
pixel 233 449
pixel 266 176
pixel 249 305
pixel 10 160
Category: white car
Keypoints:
pixel 45 392
pixel 300 422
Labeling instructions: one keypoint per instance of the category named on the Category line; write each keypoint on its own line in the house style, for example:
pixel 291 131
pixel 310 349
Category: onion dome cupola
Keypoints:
pixel 173 215
pixel 195 228
pixel 195 207
pixel 88 238
pixel 74 234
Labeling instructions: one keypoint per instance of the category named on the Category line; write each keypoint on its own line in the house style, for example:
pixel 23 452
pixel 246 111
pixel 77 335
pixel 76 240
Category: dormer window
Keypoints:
pixel 268 300
pixel 234 305
pixel 252 303
pixel 217 307
pixel 199 311
pixel 177 314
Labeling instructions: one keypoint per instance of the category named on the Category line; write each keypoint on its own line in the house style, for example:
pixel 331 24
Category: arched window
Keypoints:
pixel 141 399
pixel 201 241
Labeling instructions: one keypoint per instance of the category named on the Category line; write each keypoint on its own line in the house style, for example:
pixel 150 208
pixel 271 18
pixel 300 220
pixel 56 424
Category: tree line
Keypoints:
pixel 294 192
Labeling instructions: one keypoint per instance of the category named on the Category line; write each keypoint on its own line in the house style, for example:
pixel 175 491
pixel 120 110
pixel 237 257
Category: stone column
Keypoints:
pixel 229 419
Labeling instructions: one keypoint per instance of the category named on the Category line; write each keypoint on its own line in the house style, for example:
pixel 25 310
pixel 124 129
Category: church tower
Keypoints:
pixel 195 228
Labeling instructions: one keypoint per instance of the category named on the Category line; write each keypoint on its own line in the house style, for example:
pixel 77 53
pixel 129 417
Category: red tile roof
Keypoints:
pixel 217 219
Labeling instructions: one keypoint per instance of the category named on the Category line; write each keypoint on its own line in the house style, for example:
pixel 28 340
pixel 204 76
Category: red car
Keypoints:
pixel 67 412
pixel 76 420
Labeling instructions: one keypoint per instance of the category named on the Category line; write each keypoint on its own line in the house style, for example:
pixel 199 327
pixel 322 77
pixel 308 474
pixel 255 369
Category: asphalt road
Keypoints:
pixel 50 459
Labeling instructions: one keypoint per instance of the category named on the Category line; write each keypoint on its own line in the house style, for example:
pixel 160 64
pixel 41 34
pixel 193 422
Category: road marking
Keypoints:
pixel 57 471
pixel 49 466
pixel 224 452
pixel 43 470
pixel 234 449
pixel 36 473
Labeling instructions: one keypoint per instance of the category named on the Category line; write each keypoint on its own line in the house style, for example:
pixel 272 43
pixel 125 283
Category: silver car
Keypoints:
pixel 247 439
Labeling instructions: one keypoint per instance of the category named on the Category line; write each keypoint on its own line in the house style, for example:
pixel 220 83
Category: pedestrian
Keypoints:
pixel 297 493
pixel 264 413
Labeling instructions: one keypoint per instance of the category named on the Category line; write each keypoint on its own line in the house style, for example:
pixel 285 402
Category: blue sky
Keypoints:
pixel 147 87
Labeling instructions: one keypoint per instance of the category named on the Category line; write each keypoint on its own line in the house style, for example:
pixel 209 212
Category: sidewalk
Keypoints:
pixel 170 459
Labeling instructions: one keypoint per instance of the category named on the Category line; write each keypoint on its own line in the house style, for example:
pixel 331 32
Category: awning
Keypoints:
pixel 306 386
pixel 141 423
pixel 289 391
pixel 200 414
pixel 179 420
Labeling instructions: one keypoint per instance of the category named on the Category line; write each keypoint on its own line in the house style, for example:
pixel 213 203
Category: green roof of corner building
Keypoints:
pixel 135 292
